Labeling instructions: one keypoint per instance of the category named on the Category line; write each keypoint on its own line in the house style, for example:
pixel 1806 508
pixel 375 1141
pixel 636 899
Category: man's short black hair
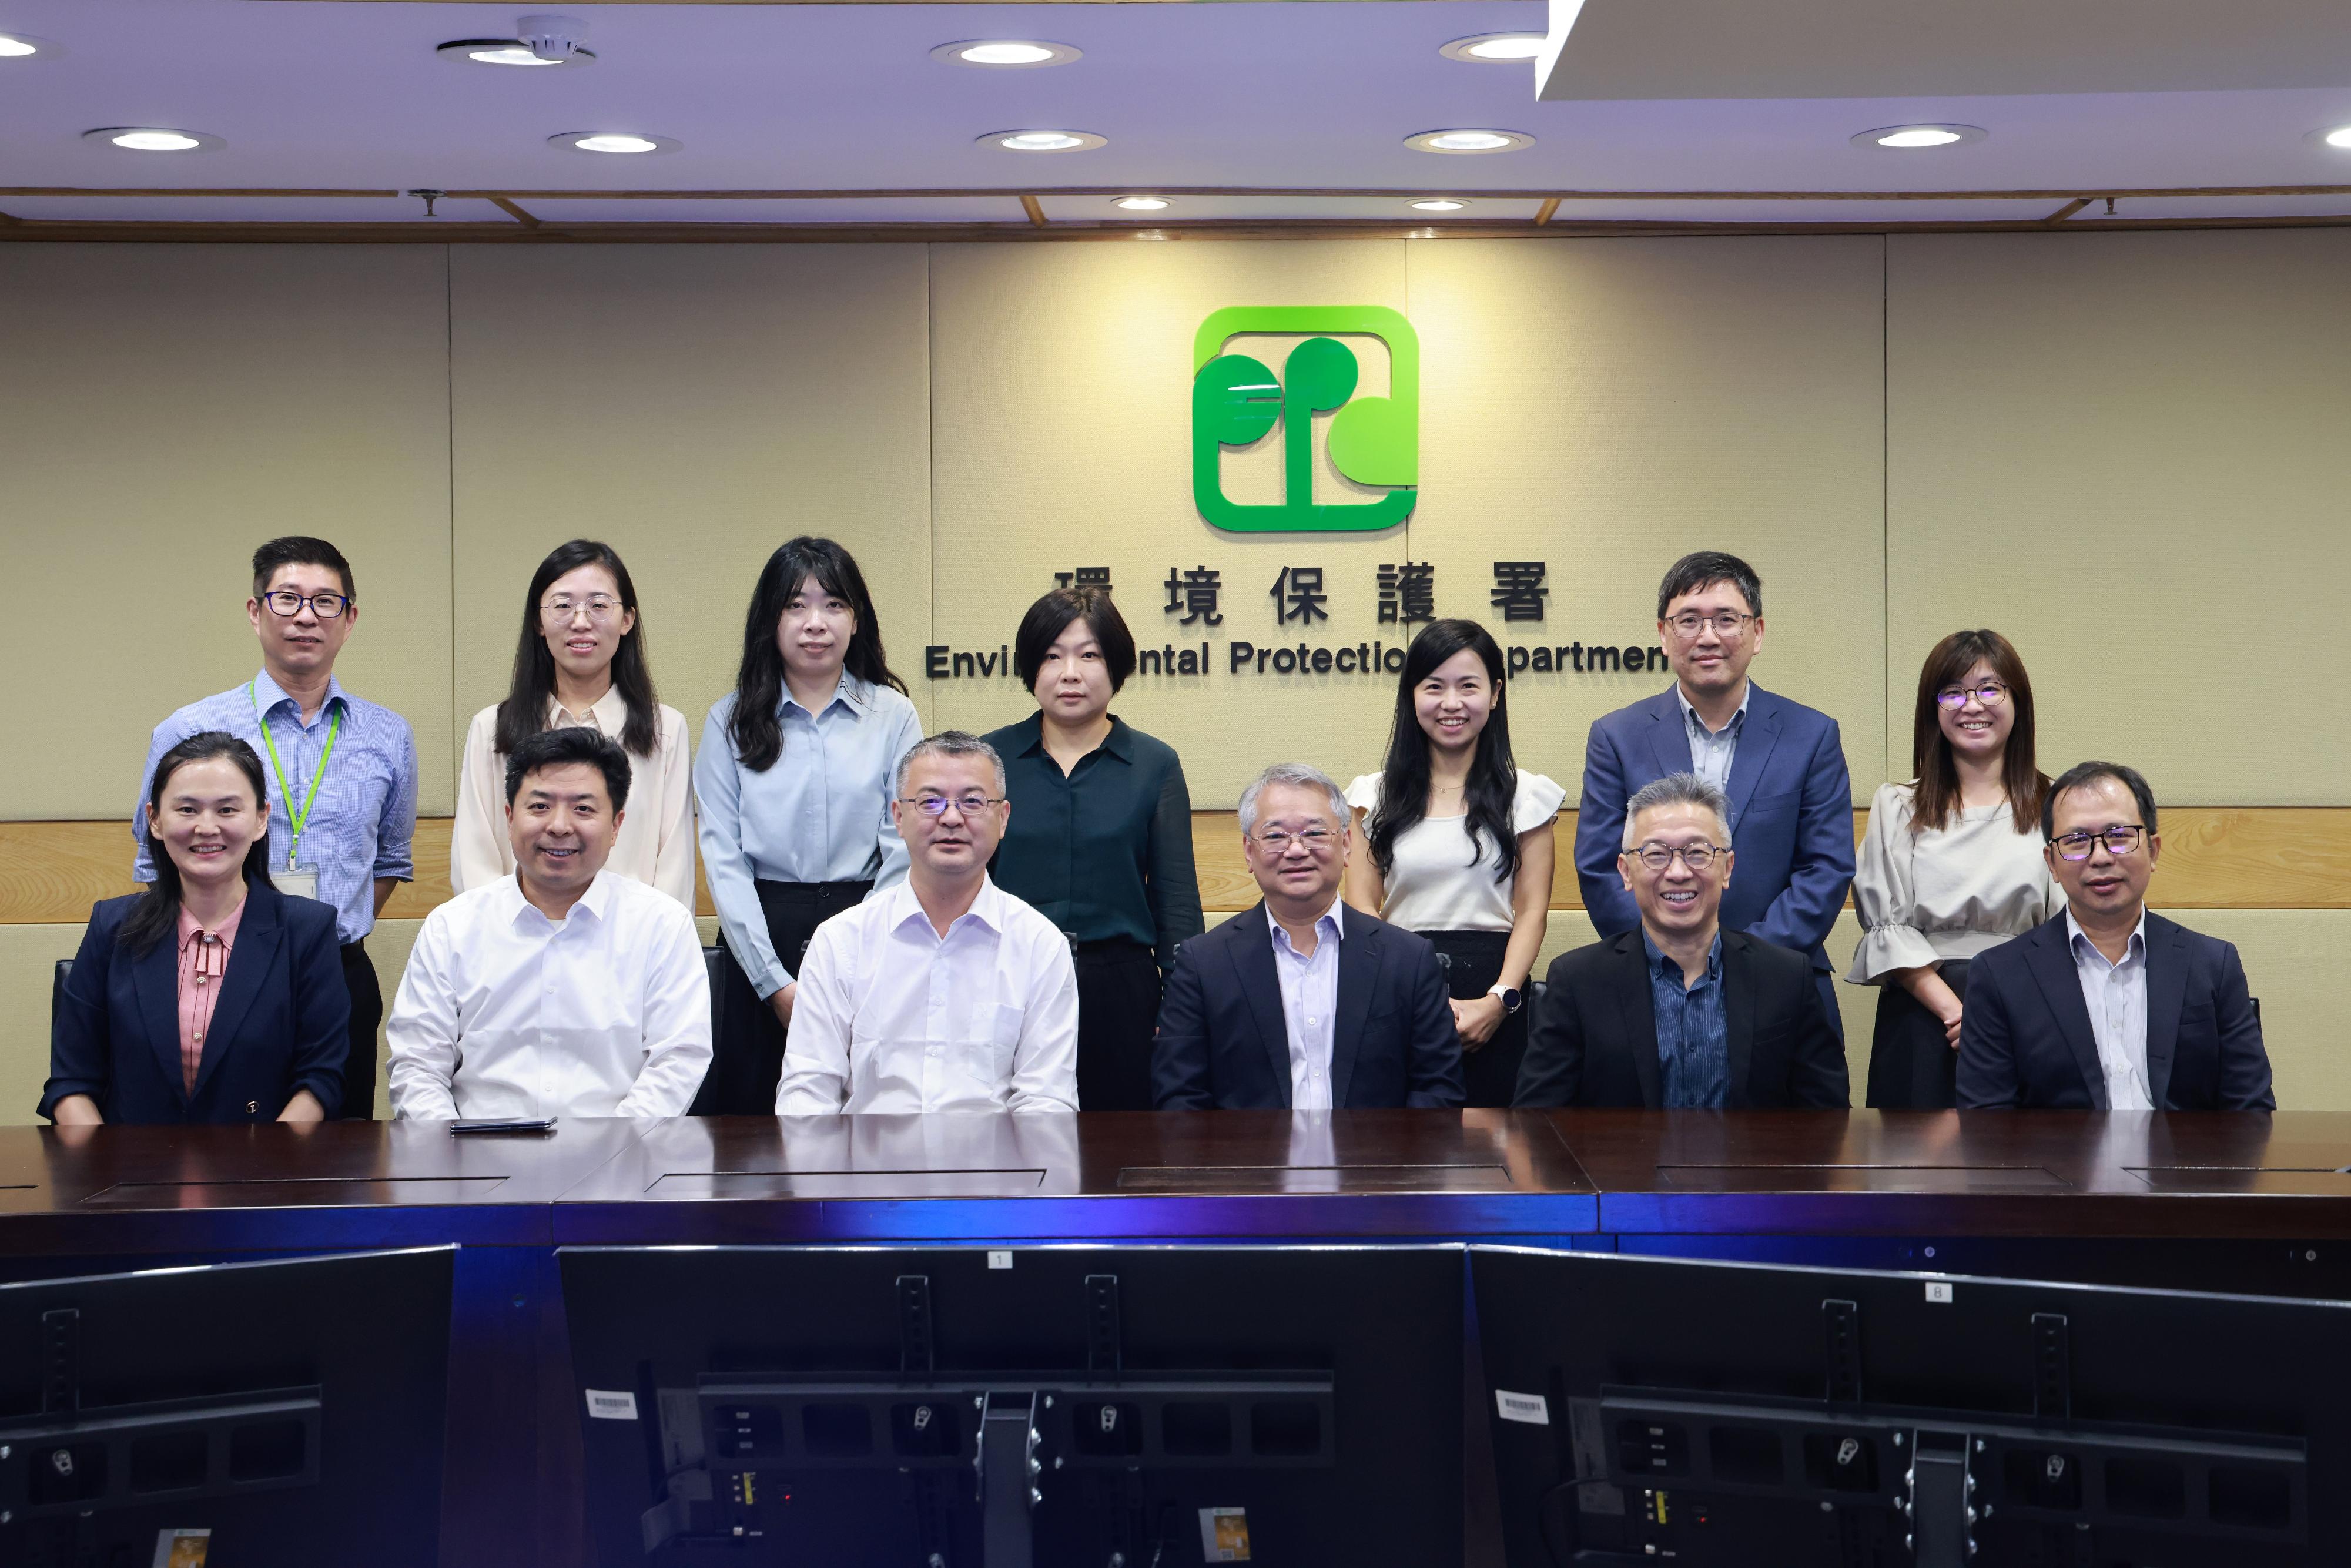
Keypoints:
pixel 561 749
pixel 2082 773
pixel 1699 568
pixel 300 550
pixel 1050 616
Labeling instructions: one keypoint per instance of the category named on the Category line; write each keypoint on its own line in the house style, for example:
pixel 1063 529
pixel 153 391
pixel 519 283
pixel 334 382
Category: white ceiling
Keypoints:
pixel 347 94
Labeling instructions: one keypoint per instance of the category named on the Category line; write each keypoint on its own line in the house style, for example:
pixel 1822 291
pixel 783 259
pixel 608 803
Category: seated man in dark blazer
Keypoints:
pixel 1679 1014
pixel 2108 1007
pixel 1300 1003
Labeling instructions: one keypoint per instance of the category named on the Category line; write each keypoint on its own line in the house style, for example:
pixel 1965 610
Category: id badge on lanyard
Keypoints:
pixel 295 879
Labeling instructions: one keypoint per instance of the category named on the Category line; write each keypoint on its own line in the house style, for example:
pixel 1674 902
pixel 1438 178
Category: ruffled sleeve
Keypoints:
pixel 1537 802
pixel 1364 794
pixel 1883 894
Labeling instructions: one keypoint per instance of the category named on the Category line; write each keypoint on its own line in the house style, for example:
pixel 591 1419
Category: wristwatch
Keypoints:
pixel 1510 997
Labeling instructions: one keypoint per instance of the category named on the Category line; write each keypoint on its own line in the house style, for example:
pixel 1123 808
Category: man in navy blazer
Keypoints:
pixel 1782 763
pixel 1302 1003
pixel 2109 1007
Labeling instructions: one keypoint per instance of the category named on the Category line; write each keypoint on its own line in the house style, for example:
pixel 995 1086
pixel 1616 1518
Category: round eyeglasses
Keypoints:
pixel 1991 693
pixel 1658 857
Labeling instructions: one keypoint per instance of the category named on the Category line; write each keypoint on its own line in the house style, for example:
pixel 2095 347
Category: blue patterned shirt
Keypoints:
pixel 1693 1034
pixel 363 825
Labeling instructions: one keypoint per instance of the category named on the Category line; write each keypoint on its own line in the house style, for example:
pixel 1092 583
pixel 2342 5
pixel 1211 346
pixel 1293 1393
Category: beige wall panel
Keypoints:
pixel 693 406
pixel 162 411
pixel 2294 958
pixel 1605 406
pixel 1064 427
pixel 2127 452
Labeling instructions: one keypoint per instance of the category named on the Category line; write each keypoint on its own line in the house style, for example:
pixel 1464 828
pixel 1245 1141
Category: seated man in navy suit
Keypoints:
pixel 1302 1003
pixel 2108 1007
pixel 1680 1014
pixel 1781 763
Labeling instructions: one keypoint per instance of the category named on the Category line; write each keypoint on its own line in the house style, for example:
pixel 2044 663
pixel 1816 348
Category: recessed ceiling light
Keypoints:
pixel 1439 205
pixel 1901 137
pixel 1469 140
pixel 1494 47
pixel 999 53
pixel 155 139
pixel 621 141
pixel 506 52
pixel 18 46
pixel 1044 140
pixel 1142 203
pixel 2337 136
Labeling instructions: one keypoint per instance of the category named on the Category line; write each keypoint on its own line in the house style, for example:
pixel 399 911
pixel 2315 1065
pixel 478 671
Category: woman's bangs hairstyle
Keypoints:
pixel 760 678
pixel 1404 775
pixel 1946 664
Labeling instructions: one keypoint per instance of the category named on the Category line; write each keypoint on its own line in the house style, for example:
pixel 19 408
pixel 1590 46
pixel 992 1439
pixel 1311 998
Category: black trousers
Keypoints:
pixel 367 1017
pixel 747 1053
pixel 1473 961
pixel 1912 1066
pixel 1118 1011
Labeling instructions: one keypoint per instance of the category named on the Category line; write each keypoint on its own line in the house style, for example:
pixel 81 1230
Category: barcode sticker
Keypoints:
pixel 610 1404
pixel 1530 1408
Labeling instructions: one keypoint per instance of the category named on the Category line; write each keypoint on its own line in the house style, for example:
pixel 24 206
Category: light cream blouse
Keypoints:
pixel 656 840
pixel 1952 894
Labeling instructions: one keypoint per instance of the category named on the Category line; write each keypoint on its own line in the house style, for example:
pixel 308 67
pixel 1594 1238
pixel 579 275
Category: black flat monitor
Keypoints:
pixel 1655 1410
pixel 976 1408
pixel 229 1416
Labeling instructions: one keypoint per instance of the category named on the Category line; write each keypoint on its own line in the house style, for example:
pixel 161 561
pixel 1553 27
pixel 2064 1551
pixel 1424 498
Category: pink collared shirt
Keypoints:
pixel 204 960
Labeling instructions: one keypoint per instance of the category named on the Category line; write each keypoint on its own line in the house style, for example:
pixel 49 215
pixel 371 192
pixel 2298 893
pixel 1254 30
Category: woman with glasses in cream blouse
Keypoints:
pixel 1951 863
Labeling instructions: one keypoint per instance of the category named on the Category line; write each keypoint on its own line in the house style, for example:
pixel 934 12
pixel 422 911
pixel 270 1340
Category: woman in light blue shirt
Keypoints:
pixel 793 780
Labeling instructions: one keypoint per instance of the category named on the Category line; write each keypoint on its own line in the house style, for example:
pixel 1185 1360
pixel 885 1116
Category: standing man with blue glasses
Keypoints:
pixel 1781 763
pixel 342 772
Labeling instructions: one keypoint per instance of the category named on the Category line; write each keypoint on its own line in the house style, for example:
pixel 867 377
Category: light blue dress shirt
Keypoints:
pixel 363 824
pixel 821 813
pixel 1310 996
pixel 1710 753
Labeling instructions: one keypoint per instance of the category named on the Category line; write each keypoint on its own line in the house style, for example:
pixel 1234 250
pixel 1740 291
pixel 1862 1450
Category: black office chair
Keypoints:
pixel 714 960
pixel 57 988
pixel 1535 989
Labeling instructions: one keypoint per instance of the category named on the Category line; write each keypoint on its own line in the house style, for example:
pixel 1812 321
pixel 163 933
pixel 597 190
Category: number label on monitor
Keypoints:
pixel 1938 1291
pixel 1001 1259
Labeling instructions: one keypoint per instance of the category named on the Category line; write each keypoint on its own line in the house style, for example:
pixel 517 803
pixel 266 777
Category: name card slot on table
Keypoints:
pixel 2288 1181
pixel 847 1183
pixel 289 1192
pixel 1248 1180
pixel 1857 1178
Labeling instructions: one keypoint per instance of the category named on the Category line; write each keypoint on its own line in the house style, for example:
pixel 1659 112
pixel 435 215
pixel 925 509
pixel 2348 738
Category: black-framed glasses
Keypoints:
pixel 1726 622
pixel 2120 840
pixel 600 608
pixel 1699 856
pixel 324 606
pixel 1313 841
pixel 970 805
pixel 1991 693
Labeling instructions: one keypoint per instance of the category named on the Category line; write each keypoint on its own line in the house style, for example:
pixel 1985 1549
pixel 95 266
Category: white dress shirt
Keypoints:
pixel 892 1018
pixel 2116 995
pixel 1310 996
pixel 504 1013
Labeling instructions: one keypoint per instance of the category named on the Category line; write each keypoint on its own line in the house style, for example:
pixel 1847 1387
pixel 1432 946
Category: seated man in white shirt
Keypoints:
pixel 559 989
pixel 943 992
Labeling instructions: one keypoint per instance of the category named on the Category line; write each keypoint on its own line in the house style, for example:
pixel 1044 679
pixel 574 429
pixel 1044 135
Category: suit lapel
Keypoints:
pixel 1639 1018
pixel 1253 967
pixel 1668 736
pixel 1359 977
pixel 1737 1021
pixel 155 977
pixel 250 956
pixel 1759 732
pixel 2167 992
pixel 2053 970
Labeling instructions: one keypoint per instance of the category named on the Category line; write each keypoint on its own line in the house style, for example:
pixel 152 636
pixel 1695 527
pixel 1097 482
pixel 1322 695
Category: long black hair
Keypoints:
pixel 759 680
pixel 523 713
pixel 158 910
pixel 1403 776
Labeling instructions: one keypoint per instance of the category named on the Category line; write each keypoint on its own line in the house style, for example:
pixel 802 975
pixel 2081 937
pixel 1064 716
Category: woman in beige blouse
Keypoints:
pixel 582 661
pixel 1951 864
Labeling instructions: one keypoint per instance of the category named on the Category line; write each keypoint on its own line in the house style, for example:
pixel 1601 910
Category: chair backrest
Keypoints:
pixel 58 989
pixel 714 960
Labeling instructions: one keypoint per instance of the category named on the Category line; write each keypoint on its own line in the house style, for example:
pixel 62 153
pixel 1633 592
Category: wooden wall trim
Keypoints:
pixel 2214 857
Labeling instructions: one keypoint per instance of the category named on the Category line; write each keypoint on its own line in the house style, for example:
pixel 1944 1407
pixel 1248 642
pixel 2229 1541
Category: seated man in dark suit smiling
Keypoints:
pixel 2108 1007
pixel 1301 1004
pixel 1680 1014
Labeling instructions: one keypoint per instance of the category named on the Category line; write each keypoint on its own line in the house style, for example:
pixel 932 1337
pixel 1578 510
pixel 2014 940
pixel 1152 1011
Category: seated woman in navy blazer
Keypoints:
pixel 211 996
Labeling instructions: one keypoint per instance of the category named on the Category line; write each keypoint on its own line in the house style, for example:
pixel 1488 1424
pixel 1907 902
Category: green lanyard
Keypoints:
pixel 294 818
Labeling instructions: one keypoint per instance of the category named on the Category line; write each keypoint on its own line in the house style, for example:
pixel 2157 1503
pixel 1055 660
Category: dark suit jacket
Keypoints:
pixel 1222 1043
pixel 282 1022
pixel 1791 817
pixel 1595 1037
pixel 2026 1038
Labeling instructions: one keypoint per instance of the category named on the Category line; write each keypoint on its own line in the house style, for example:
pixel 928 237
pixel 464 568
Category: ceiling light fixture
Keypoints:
pixel 18 46
pixel 1142 203
pixel 1044 140
pixel 2335 136
pixel 542 41
pixel 1901 138
pixel 1000 53
pixel 1469 140
pixel 1494 48
pixel 155 139
pixel 621 141
pixel 1439 205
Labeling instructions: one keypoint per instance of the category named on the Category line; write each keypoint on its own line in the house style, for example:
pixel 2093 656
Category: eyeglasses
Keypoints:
pixel 1689 622
pixel 970 805
pixel 1313 841
pixel 1696 856
pixel 2119 840
pixel 324 606
pixel 600 608
pixel 1991 693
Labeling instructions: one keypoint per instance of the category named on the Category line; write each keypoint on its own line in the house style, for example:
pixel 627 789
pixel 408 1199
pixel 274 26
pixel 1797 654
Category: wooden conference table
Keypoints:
pixel 2232 1202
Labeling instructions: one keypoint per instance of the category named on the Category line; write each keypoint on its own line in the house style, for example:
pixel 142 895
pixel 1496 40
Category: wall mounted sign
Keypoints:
pixel 1237 399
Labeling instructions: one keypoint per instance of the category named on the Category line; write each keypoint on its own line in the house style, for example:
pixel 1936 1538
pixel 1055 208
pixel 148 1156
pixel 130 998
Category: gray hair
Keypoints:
pixel 948 743
pixel 1677 789
pixel 1297 776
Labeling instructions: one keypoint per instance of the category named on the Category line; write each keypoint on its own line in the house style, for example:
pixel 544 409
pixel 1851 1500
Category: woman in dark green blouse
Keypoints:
pixel 1101 836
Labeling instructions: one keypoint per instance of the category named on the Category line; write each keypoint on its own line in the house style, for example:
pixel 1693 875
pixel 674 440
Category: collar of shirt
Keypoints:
pixel 1119 742
pixel 2078 942
pixel 1738 720
pixel 608 715
pixel 267 694
pixel 900 905
pixel 1664 965
pixel 851 693
pixel 597 901
pixel 225 933
pixel 1331 923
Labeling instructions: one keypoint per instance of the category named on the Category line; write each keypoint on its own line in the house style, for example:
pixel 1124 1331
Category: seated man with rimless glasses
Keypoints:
pixel 2109 1007
pixel 1302 1003
pixel 1679 1013
pixel 943 992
